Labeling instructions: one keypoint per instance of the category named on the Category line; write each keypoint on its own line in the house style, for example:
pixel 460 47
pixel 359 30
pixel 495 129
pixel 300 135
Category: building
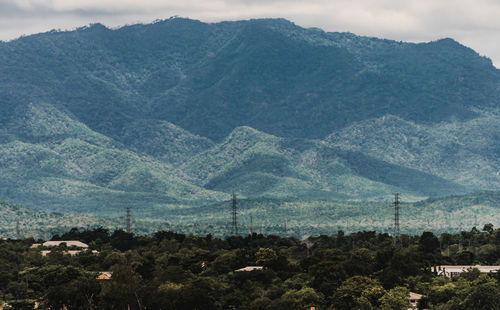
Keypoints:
pixel 69 243
pixel 104 275
pixel 77 246
pixel 414 299
pixel 250 268
pixel 451 271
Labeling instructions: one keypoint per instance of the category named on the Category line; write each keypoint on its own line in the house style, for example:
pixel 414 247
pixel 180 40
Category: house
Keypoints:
pixel 414 299
pixel 250 268
pixel 77 246
pixel 69 243
pixel 451 271
pixel 104 275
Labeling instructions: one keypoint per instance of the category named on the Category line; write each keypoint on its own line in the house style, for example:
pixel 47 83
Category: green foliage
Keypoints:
pixel 159 117
pixel 357 293
pixel 266 257
pixel 448 150
pixel 164 271
pixel 303 217
pixel 395 299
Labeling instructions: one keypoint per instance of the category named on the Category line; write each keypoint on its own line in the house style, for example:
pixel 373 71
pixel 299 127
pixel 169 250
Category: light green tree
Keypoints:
pixel 396 299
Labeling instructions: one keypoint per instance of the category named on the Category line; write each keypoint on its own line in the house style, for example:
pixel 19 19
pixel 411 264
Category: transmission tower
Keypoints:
pixel 18 231
pixel 251 227
pixel 127 220
pixel 396 219
pixel 234 230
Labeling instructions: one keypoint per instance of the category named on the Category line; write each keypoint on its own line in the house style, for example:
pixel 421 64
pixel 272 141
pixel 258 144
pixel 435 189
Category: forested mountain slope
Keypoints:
pixel 180 113
pixel 267 74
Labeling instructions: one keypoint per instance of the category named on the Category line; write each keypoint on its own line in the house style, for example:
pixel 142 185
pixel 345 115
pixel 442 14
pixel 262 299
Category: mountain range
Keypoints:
pixel 180 114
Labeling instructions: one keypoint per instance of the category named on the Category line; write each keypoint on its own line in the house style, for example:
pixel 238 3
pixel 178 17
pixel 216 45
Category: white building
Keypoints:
pixel 451 271
pixel 69 244
pixel 250 268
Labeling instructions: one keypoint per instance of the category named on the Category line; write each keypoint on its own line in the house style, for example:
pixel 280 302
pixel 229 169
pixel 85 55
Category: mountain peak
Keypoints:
pixel 248 133
pixel 93 27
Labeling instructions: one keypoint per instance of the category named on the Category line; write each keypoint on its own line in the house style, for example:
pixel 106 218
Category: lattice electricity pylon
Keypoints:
pixel 234 230
pixel 18 231
pixel 397 240
pixel 128 221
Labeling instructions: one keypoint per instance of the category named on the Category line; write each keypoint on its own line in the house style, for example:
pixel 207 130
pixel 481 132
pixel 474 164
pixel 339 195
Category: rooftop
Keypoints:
pixel 453 268
pixel 250 268
pixel 69 243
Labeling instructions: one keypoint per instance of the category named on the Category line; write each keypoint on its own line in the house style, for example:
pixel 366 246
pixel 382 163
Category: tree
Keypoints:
pixel 261 303
pixel 428 246
pixel 123 290
pixel 396 299
pixel 266 257
pixel 327 276
pixel 357 291
pixel 485 294
pixel 168 295
pixel 488 228
pixel 200 293
pixel 304 298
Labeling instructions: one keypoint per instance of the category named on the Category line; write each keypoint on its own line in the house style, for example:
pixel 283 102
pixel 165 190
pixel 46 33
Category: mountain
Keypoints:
pixel 53 162
pixel 65 173
pixel 268 74
pixel 466 152
pixel 258 164
pixel 178 114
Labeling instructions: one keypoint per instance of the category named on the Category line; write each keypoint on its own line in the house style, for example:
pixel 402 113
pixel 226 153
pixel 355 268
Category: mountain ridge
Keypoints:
pixel 108 85
pixel 180 113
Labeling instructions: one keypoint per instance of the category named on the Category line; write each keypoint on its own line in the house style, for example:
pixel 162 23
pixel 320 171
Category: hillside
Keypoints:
pixel 64 173
pixel 267 74
pixel 285 217
pixel 40 224
pixel 253 164
pixel 53 162
pixel 178 114
pixel 466 152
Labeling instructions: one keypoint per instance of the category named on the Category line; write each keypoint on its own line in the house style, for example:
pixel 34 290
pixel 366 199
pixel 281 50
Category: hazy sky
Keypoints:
pixel 475 23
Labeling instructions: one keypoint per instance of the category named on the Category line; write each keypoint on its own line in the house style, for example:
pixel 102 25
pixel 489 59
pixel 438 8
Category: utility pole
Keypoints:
pixel 234 230
pixel 397 240
pixel 127 220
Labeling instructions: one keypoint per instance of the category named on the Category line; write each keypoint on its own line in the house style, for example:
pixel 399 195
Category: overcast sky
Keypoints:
pixel 475 23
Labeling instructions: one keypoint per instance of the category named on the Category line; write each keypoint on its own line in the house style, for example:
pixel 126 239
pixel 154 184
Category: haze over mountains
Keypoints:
pixel 180 113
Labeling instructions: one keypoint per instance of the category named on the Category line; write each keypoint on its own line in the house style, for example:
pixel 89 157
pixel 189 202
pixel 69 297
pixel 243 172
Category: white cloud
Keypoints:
pixel 474 23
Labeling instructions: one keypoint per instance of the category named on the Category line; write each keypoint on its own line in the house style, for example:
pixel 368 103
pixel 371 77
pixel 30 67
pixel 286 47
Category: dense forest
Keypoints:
pixel 362 270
